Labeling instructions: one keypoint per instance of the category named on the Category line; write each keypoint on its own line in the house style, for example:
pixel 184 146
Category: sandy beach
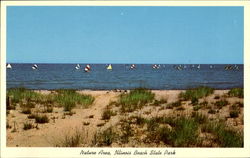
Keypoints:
pixel 88 122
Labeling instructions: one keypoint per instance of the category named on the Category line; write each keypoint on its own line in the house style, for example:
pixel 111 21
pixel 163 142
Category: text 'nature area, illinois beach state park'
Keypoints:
pixel 109 76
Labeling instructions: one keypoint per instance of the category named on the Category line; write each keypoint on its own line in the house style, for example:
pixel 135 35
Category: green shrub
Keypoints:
pixel 126 132
pixel 159 102
pixel 19 94
pixel 234 113
pixel 26 110
pixel 185 132
pixel 225 137
pixel 140 120
pixel 200 118
pixel 194 100
pixel 211 111
pixel 221 103
pixel 217 97
pixel 193 94
pixel 197 107
pixel 31 116
pixel 41 119
pixel 176 104
pixel 135 99
pixel 72 140
pixel 107 114
pixel 236 92
pixel 27 126
pixel 106 138
pixel 69 98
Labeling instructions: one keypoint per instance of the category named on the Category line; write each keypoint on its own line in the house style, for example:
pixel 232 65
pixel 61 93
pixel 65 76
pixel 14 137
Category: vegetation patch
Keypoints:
pixel 211 111
pixel 221 103
pixel 105 138
pixel 19 94
pixel 225 136
pixel 69 98
pixel 159 102
pixel 195 94
pixel 234 113
pixel 197 107
pixel 26 110
pixel 107 114
pixel 236 92
pixel 41 119
pixel 135 99
pixel 176 104
pixel 27 126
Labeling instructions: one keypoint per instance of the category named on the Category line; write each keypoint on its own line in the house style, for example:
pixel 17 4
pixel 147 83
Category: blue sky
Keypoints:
pixel 89 34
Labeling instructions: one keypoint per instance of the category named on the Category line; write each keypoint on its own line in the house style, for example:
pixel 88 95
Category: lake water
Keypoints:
pixel 61 76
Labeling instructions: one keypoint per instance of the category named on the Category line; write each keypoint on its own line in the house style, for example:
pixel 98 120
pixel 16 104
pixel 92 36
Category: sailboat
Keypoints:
pixel 199 66
pixel 87 68
pixel 9 66
pixel 78 66
pixel 155 66
pixel 34 67
pixel 109 67
pixel 132 66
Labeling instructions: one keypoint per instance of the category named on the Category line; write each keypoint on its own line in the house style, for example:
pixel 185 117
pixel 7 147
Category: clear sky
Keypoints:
pixel 185 35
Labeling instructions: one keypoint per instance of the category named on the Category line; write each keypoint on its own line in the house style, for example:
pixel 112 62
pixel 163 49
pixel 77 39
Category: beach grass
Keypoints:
pixel 70 98
pixel 27 126
pixel 135 99
pixel 196 93
pixel 221 103
pixel 225 136
pixel 105 138
pixel 106 115
pixel 41 119
pixel 236 92
pixel 21 94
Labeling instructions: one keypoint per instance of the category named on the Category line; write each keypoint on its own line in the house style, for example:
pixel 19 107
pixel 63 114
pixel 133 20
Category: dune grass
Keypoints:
pixel 41 119
pixel 27 126
pixel 135 99
pixel 70 98
pixel 105 138
pixel 196 93
pixel 107 114
pixel 221 103
pixel 225 136
pixel 236 92
pixel 20 94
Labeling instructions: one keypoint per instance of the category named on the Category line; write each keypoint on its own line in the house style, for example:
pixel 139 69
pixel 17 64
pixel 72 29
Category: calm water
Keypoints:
pixel 57 76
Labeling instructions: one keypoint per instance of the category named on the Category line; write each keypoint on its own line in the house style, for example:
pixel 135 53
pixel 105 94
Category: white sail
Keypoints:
pixel 9 66
pixel 109 67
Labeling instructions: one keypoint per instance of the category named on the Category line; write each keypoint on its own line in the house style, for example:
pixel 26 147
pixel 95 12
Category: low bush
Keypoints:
pixel 69 98
pixel 26 110
pixel 107 114
pixel 225 136
pixel 236 92
pixel 193 94
pixel 135 99
pixel 27 126
pixel 176 104
pixel 105 138
pixel 211 111
pixel 234 113
pixel 41 119
pixel 221 103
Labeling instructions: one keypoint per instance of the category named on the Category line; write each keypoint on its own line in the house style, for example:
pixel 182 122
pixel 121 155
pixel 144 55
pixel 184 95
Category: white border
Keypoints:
pixel 75 152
